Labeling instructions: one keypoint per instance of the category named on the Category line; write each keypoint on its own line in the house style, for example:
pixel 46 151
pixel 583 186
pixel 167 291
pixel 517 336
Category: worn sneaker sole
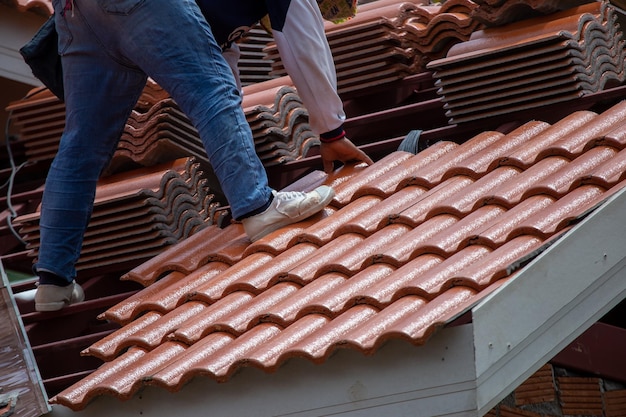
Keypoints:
pixel 326 193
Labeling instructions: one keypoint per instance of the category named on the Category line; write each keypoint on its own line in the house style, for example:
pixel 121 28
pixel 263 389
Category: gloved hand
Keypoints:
pixel 342 150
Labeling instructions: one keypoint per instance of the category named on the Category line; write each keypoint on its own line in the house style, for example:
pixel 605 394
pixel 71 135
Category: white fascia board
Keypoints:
pixel 557 296
pixel 17 28
pixel 400 379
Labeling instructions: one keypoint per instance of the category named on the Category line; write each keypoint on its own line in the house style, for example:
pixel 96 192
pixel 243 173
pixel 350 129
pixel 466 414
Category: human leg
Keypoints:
pixel 99 95
pixel 188 64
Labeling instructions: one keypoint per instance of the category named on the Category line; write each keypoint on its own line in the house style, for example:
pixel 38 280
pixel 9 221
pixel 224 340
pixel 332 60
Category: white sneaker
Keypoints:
pixel 287 208
pixel 52 297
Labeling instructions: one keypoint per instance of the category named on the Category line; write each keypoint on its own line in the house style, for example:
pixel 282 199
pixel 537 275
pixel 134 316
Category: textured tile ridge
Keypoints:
pixel 528 155
pixel 323 231
pixel 433 174
pixel 111 346
pixel 490 157
pixel 388 184
pixel 562 212
pixel 608 173
pixel 575 142
pixel 186 256
pixel 562 181
pixel 235 313
pixel 165 295
pixel 502 230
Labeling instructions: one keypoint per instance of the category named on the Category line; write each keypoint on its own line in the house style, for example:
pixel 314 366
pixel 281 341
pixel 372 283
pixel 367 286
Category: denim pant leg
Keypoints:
pixel 172 43
pixel 99 96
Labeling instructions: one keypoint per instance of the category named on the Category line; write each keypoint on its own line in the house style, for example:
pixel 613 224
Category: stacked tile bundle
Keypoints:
pixel 39 119
pixel 279 122
pixel 158 131
pixel 273 109
pixel 532 63
pixel 501 12
pixel 390 39
pixel 138 214
pixel 254 67
pixel 161 133
pixel 432 30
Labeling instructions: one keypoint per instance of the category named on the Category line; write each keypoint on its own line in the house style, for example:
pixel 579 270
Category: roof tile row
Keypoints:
pixel 395 263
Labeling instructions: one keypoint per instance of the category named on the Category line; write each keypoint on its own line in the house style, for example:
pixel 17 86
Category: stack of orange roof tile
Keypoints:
pixel 432 30
pixel 39 119
pixel 138 214
pixel 158 131
pixel 531 63
pixel 390 39
pixel 279 122
pixel 500 12
pixel 161 133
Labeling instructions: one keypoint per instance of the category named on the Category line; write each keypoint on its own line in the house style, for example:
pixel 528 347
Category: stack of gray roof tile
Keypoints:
pixel 138 214
pixel 536 62
pixel 390 39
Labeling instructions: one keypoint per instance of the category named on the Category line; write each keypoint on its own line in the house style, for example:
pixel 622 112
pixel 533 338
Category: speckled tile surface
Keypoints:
pixel 373 266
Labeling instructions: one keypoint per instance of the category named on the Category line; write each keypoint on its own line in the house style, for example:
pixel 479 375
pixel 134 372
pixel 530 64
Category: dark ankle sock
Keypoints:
pixel 259 210
pixel 48 278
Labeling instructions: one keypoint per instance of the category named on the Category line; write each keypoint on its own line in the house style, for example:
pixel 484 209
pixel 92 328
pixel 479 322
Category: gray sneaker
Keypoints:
pixel 53 298
pixel 287 208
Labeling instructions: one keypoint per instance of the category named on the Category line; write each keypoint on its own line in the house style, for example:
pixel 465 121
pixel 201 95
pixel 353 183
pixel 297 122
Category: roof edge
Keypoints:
pixel 558 296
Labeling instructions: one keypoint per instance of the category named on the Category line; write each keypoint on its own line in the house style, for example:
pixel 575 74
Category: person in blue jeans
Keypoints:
pixel 297 27
pixel 108 49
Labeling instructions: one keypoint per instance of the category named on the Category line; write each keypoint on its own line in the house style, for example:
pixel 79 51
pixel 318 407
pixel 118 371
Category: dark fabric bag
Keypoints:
pixel 41 54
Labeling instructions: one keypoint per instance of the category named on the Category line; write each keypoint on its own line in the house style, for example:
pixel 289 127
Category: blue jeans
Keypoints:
pixel 108 48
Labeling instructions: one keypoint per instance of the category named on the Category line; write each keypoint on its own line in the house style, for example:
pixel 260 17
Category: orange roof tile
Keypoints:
pixel 396 263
